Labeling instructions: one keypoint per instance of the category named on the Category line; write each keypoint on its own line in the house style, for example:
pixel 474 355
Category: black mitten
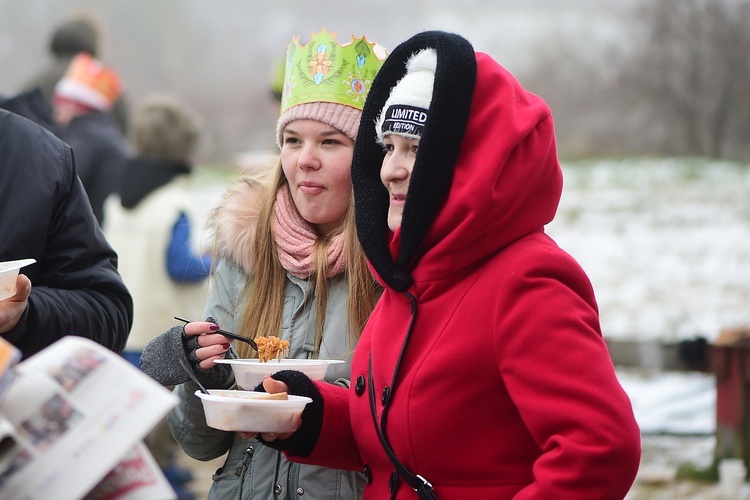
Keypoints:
pixel 303 441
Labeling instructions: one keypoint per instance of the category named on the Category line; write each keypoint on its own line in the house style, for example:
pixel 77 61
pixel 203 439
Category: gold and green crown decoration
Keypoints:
pixel 324 70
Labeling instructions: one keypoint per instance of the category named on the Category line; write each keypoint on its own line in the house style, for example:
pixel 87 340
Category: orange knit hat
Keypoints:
pixel 88 82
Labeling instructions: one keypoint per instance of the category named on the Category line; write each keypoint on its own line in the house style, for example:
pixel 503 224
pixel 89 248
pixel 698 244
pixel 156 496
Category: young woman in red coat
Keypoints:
pixel 482 372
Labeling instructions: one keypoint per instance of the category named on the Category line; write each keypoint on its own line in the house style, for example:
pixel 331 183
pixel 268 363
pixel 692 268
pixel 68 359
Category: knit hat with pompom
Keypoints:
pixel 405 111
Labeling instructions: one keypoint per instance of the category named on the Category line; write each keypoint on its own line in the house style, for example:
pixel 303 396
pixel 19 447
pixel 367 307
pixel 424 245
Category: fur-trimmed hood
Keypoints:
pixel 234 220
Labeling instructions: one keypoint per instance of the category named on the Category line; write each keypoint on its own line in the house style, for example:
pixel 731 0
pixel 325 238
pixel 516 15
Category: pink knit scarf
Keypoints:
pixel 295 240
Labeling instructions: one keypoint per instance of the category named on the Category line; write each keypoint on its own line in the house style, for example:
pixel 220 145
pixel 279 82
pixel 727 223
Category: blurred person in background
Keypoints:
pixel 151 221
pixel 149 224
pixel 290 266
pixel 482 371
pixel 81 104
pixel 74 287
pixel 73 37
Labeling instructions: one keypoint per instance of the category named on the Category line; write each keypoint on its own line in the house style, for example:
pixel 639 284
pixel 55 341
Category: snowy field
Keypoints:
pixel 666 244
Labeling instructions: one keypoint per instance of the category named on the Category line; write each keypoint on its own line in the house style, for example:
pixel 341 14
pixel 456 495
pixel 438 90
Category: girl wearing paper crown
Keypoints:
pixel 482 372
pixel 289 266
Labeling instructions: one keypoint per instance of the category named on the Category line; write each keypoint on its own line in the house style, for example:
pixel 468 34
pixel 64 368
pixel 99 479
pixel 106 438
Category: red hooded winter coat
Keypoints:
pixel 505 388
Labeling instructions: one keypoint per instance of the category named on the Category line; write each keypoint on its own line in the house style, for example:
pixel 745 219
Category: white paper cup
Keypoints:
pixel 8 275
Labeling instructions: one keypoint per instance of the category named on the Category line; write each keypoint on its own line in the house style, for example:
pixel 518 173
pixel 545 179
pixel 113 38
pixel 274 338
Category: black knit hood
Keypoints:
pixel 439 147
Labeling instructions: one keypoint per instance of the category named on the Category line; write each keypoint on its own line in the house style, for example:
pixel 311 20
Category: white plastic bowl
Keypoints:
pixel 241 411
pixel 8 273
pixel 250 372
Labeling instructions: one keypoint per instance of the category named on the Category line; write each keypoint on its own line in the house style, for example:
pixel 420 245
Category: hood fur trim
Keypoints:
pixel 234 221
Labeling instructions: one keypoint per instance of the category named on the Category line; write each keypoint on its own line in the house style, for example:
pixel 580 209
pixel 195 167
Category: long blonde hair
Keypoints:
pixel 264 293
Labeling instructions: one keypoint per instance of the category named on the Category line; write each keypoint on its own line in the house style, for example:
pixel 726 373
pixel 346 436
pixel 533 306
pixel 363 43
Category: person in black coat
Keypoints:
pixel 82 103
pixel 74 287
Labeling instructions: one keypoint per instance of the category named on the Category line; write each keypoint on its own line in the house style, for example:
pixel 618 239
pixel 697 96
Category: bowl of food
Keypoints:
pixel 248 411
pixel 250 372
pixel 8 273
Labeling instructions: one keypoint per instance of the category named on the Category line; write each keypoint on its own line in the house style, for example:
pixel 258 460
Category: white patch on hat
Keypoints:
pixel 405 111
pixel 83 94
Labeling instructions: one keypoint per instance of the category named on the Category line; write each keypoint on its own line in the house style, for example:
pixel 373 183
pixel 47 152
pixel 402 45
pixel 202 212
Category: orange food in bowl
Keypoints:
pixel 271 348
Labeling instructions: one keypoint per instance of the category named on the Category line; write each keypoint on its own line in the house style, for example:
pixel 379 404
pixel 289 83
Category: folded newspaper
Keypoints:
pixel 9 356
pixel 72 421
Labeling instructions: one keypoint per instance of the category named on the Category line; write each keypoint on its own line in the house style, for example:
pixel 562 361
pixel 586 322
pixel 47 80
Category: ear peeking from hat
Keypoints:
pixel 405 111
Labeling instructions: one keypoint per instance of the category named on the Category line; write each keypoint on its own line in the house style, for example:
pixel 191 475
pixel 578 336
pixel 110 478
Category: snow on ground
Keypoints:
pixel 666 244
pixel 671 402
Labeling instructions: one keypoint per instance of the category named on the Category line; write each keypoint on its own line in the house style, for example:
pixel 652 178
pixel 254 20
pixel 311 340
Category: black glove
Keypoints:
pixel 304 439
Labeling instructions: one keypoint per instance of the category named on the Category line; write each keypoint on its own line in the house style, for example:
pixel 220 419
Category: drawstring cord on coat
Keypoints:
pixel 417 482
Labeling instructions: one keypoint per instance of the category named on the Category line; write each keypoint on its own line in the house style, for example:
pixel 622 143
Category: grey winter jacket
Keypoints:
pixel 252 470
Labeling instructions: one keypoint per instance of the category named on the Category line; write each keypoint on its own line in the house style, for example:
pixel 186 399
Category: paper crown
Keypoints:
pixel 88 81
pixel 325 71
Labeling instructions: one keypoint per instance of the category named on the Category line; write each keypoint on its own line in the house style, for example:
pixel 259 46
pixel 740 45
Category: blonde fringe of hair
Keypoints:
pixel 262 315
